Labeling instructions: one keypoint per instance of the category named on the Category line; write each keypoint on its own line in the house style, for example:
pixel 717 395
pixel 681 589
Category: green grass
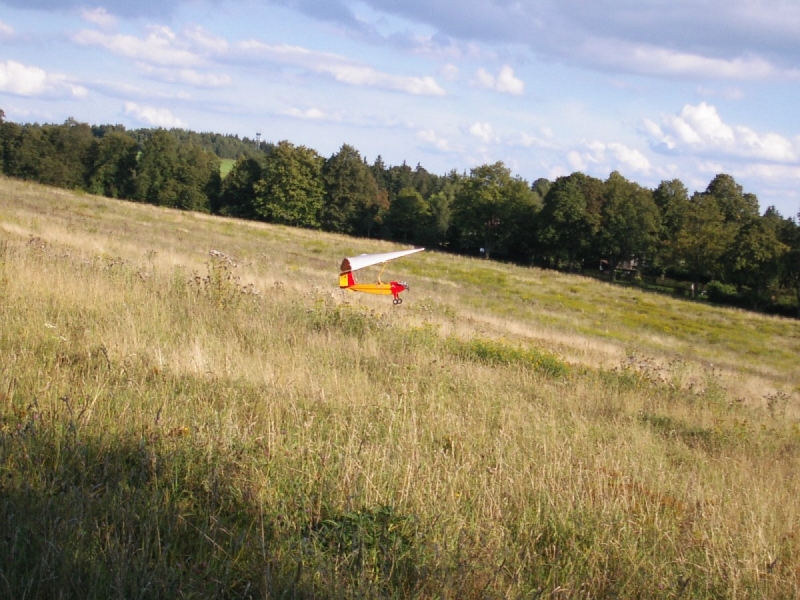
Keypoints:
pixel 225 166
pixel 189 407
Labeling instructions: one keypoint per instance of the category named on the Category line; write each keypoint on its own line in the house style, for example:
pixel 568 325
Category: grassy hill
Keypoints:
pixel 190 407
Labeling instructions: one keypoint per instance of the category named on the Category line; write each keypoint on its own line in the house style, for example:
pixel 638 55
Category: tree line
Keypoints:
pixel 715 240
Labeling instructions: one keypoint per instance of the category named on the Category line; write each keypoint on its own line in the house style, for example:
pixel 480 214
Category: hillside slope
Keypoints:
pixel 188 404
pixel 586 321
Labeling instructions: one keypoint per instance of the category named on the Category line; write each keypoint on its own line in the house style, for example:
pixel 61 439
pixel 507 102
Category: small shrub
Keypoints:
pixel 354 320
pixel 722 293
pixel 493 352
pixel 221 287
pixel 373 544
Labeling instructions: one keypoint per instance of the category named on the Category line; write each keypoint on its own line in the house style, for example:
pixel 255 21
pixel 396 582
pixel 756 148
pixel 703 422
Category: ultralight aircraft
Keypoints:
pixel 351 264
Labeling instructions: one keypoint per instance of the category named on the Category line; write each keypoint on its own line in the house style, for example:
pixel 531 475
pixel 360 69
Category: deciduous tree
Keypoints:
pixel 629 222
pixel 290 190
pixel 789 235
pixel 672 199
pixel 112 169
pixel 755 256
pixel 352 202
pixel 570 218
pixel 703 239
pixel 237 196
pixel 492 209
pixel 408 215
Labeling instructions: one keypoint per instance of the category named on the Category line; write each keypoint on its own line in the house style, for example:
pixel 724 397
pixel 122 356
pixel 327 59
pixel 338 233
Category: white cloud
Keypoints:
pixel 629 158
pixel 99 16
pixel 430 138
pixel 340 68
pixel 576 162
pixel 728 93
pixel 369 77
pixel 482 131
pixel 6 31
pixel 206 80
pixel 700 129
pixel 483 79
pixel 505 82
pixel 667 62
pixel 789 174
pixel 526 140
pixel 206 40
pixel 311 114
pixel 160 47
pixel 25 80
pixel 196 47
pixel 120 89
pixel 449 72
pixel 21 79
pixel 165 55
pixel 508 84
pixel 190 77
pixel 737 39
pixel 156 117
pixel 602 158
pixel 630 56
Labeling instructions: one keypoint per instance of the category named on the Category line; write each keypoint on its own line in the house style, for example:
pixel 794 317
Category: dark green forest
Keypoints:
pixel 714 244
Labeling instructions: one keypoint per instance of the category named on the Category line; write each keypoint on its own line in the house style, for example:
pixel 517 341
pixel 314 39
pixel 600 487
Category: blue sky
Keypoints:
pixel 655 89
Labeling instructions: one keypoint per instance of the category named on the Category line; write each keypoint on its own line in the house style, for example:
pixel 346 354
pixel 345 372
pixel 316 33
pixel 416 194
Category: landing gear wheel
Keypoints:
pixel 397 301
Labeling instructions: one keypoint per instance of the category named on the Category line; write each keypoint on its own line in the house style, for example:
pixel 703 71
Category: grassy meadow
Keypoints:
pixel 190 408
pixel 225 166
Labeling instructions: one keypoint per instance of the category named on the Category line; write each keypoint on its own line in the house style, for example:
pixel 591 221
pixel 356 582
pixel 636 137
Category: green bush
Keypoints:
pixel 493 352
pixel 722 292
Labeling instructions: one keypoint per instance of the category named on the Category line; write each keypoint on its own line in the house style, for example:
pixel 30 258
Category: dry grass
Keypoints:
pixel 176 422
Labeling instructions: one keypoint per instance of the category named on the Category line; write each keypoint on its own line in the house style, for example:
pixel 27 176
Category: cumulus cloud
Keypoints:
pixel 127 90
pixel 430 138
pixel 731 36
pixel 196 47
pixel 790 174
pixel 504 82
pixel 527 140
pixel 6 31
pixel 629 158
pixel 655 60
pixel 99 16
pixel 161 46
pixel 483 79
pixel 184 58
pixel 700 130
pixel 369 77
pixel 738 39
pixel 190 77
pixel 602 158
pixel 309 114
pixel 205 40
pixel 340 68
pixel 482 131
pixel 507 83
pixel 153 116
pixel 120 7
pixel 449 72
pixel 26 80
